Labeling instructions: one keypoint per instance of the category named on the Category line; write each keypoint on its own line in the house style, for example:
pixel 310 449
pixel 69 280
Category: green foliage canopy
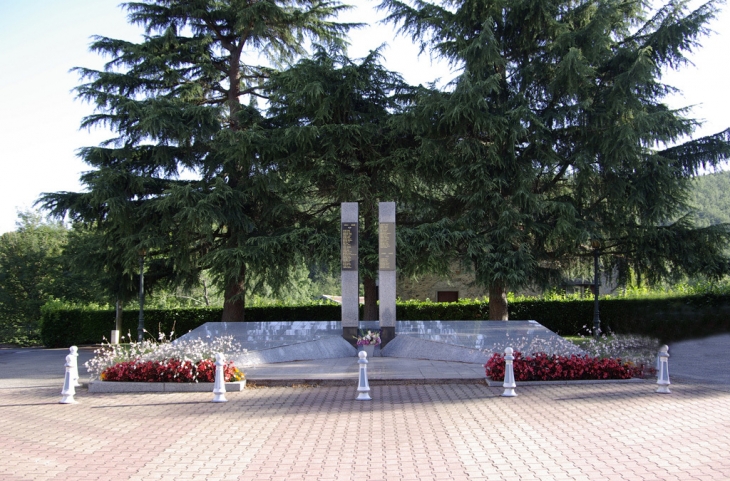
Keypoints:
pixel 333 119
pixel 555 134
pixel 34 268
pixel 175 100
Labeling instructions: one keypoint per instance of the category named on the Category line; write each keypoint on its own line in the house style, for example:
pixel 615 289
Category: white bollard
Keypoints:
pixel 219 387
pixel 74 365
pixel 363 388
pixel 68 390
pixel 115 336
pixel 509 374
pixel 662 378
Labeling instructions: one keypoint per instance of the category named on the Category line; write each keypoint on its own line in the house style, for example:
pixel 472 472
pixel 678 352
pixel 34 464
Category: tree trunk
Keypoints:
pixel 205 294
pixel 234 310
pixel 371 300
pixel 498 303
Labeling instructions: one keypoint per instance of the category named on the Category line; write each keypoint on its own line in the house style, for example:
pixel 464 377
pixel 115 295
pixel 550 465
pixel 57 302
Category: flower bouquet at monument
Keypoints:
pixel 368 338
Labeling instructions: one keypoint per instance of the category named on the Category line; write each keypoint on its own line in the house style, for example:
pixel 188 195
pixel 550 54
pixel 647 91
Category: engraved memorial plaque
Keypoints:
pixel 349 246
pixel 386 248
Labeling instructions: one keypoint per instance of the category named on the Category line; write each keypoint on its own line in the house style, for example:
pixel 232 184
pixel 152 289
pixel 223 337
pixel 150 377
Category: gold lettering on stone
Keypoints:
pixel 386 248
pixel 349 246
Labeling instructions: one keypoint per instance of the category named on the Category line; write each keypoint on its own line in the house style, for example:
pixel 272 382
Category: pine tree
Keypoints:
pixel 334 119
pixel 555 134
pixel 177 101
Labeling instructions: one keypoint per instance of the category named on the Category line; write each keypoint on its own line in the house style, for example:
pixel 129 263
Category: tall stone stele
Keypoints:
pixel 349 218
pixel 386 270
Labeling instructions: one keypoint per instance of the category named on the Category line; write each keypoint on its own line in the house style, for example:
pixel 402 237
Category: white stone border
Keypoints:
pixel 130 387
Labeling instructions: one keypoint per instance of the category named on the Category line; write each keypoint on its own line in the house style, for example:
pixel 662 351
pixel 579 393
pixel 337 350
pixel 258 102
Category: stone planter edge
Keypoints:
pixel 491 383
pixel 131 387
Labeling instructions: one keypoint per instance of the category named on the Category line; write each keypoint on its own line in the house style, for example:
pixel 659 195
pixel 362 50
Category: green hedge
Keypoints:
pixel 65 327
pixel 668 319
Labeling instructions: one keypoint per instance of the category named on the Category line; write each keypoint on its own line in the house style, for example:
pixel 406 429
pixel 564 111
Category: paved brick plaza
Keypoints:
pixel 408 432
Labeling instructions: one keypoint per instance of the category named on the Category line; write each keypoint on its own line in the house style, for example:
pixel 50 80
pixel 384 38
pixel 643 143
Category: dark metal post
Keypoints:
pixel 118 317
pixel 140 326
pixel 596 318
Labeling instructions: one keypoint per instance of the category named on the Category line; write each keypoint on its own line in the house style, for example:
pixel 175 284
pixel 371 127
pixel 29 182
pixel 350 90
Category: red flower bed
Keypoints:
pixel 173 370
pixel 542 367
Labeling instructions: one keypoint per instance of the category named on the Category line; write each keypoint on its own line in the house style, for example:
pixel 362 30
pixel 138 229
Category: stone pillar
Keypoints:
pixel 349 218
pixel 386 274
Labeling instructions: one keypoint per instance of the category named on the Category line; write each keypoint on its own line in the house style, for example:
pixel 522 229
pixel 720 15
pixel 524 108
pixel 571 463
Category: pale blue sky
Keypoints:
pixel 42 40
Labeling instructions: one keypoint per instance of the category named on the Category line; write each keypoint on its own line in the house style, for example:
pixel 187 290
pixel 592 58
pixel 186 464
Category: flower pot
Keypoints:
pixel 368 348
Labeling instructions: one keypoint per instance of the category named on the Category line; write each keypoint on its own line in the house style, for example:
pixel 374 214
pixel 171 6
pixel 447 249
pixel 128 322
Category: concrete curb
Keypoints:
pixel 132 387
pixel 353 382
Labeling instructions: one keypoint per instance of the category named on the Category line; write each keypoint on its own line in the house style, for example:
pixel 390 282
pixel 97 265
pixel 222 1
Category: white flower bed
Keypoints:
pixel 194 350
pixel 637 349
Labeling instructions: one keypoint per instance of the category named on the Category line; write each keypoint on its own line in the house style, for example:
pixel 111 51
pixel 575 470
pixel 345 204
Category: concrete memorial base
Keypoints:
pixel 349 334
pixel 462 341
pixel 387 334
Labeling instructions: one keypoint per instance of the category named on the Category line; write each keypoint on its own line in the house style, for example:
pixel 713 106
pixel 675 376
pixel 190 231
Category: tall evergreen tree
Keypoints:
pixel 177 101
pixel 555 134
pixel 334 118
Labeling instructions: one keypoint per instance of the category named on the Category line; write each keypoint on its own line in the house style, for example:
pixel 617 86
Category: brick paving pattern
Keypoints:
pixel 408 432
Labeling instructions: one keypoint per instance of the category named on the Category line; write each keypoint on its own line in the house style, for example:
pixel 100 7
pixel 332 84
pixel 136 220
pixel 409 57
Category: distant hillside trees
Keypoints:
pixel 710 197
pixel 33 270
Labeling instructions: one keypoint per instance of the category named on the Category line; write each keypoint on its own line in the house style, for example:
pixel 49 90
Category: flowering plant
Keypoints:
pixel 164 361
pixel 368 338
pixel 640 350
pixel 542 367
pixel 173 370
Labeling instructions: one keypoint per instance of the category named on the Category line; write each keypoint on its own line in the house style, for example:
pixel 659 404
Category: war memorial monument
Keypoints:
pixel 461 341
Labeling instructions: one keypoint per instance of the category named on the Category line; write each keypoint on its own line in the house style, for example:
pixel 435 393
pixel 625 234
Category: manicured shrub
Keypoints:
pixel 668 319
pixel 62 327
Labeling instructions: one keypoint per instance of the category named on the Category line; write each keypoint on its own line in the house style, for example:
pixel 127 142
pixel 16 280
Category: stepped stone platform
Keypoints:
pixel 469 342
